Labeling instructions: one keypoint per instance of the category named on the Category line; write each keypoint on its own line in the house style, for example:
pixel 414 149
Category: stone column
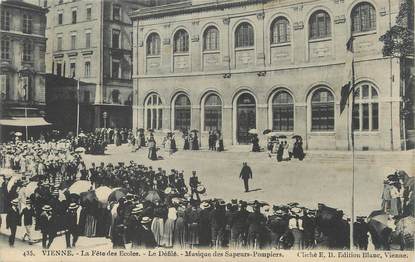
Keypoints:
pixel 227 127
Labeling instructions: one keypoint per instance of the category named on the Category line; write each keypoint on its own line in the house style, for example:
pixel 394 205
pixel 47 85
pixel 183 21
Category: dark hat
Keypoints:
pixel 234 202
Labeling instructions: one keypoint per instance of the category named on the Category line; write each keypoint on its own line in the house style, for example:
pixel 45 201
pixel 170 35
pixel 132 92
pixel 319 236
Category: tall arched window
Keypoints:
pixel 153 44
pixel 182 110
pixel 366 108
pixel 213 113
pixel 181 41
pixel 154 112
pixel 244 35
pixel 363 18
pixel 280 31
pixel 211 39
pixel 282 112
pixel 322 110
pixel 320 25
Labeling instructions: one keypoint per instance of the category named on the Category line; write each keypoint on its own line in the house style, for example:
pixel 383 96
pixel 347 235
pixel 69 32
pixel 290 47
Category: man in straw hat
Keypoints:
pixel 71 225
pixel 46 225
pixel 134 225
pixel 13 220
pixel 28 214
pixel 146 235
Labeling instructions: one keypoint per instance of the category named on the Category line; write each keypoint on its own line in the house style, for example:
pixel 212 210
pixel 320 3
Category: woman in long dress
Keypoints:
pixel 91 220
pixel 180 230
pixel 169 227
pixel 157 225
pixel 285 154
pixel 192 220
pixel 152 149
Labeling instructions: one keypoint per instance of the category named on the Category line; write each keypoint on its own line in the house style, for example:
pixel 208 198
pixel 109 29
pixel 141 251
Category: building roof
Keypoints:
pixel 194 6
pixel 22 5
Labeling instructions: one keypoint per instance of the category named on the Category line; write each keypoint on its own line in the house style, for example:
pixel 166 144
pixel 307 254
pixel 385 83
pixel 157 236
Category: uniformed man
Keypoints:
pixel 193 183
pixel 13 220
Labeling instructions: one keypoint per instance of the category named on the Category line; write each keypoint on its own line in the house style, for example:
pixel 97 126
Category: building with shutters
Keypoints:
pixel 271 64
pixel 22 67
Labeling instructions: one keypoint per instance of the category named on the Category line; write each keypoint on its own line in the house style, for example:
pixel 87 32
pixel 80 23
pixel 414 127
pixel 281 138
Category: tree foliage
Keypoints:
pixel 399 40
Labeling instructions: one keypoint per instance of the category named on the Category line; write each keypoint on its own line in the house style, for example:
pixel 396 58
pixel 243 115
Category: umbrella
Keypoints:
pixel 12 181
pixel 152 196
pixel 194 131
pixel 272 134
pixel 406 226
pixel 295 136
pixel 30 188
pixel 116 194
pixel 18 134
pixel 253 131
pixel 80 186
pixel 267 131
pixel 103 193
pixel 282 137
pixel 61 196
pixel 80 150
pixel 82 135
pixel 167 131
pixel 150 130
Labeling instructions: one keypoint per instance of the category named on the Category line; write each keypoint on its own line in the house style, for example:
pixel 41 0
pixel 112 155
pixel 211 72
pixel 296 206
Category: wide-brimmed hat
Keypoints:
pixel 204 205
pixel 145 220
pixel 296 210
pixel 73 206
pixel 46 208
pixel 168 190
pixel 137 209
pixel 28 201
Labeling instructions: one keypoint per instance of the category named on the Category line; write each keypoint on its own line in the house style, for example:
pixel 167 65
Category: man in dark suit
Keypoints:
pixel 245 175
pixel 13 220
pixel 71 225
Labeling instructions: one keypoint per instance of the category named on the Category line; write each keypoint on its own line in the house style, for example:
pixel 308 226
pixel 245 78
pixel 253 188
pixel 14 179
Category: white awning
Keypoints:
pixel 24 121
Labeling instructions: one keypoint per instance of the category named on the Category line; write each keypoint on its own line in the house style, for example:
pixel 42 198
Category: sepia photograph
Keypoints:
pixel 216 130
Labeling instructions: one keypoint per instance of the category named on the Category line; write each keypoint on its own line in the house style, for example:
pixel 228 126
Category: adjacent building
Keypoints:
pixel 91 41
pixel 237 65
pixel 22 67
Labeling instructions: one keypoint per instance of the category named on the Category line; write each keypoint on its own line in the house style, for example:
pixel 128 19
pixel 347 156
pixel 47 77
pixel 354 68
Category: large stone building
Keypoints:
pixel 22 66
pixel 269 64
pixel 92 41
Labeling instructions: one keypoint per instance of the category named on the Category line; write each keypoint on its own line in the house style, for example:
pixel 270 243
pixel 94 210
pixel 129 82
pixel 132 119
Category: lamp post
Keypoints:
pixel 105 116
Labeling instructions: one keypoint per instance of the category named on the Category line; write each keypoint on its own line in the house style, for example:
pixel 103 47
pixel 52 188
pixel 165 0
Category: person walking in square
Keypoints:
pixel 12 221
pixel 245 175
pixel 28 215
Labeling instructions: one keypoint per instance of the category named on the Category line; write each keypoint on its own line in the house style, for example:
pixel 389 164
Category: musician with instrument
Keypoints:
pixel 194 183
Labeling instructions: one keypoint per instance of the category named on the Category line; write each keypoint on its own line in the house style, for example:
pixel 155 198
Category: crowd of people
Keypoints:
pixel 280 147
pixel 398 199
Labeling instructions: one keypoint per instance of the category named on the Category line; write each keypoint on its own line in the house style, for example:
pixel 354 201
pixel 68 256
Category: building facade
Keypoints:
pixel 92 41
pixel 280 65
pixel 22 66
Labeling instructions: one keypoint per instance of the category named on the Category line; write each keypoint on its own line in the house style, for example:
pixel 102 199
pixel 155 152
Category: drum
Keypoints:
pixel 200 189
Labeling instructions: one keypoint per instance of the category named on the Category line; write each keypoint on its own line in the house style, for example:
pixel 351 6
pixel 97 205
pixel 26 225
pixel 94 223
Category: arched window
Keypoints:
pixel 366 108
pixel 182 110
pixel 213 113
pixel 211 39
pixel 282 112
pixel 322 110
pixel 320 25
pixel 244 35
pixel 363 18
pixel 153 44
pixel 181 42
pixel 154 112
pixel 280 31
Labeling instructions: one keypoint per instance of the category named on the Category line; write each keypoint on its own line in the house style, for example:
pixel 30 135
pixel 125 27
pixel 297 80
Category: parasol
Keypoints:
pixel 282 137
pixel 103 193
pixel 11 182
pixel 80 150
pixel 150 130
pixel 406 226
pixel 30 188
pixel 116 194
pixel 152 196
pixel 267 131
pixel 80 186
pixel 295 136
pixel 272 134
pixel 194 131
pixel 18 134
pixel 253 131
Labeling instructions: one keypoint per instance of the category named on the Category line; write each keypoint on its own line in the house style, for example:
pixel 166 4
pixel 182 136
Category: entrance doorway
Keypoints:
pixel 246 117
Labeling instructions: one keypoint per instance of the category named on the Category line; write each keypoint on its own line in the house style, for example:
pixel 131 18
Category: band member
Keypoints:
pixel 28 214
pixel 12 221
pixel 71 217
pixel 245 175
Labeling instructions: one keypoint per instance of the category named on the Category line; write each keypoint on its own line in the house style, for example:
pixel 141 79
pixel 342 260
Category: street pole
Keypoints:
pixel 77 110
pixel 26 127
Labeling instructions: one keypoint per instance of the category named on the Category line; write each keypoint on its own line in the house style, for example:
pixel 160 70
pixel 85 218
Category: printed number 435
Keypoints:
pixel 28 253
